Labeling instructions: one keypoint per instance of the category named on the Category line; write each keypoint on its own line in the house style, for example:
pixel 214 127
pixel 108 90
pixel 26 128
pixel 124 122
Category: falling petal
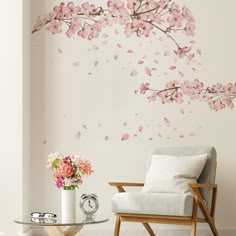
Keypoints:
pixel 115 57
pixel 156 61
pixel 135 135
pixel 160 136
pixel 119 45
pixel 140 62
pixel 150 139
pixel 167 121
pixel 193 69
pixel 145 56
pixel 78 135
pixel 154 68
pixel 45 141
pixel 116 32
pixel 95 47
pixel 134 73
pixel 191 134
pixel 130 51
pixel 76 64
pixel 136 114
pixel 192 41
pixel 181 73
pixel 181 136
pixel 60 51
pixel 199 51
pixel 106 138
pixel 84 126
pixel 104 35
pixel 140 128
pixel 172 67
pixel 90 73
pixel 136 91
pixel 99 124
pixel 125 137
pixel 161 38
pixel 125 124
pixel 182 111
pixel 167 53
pixel 148 71
pixel 96 63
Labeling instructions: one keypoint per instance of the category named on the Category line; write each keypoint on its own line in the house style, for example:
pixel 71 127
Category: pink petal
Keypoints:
pixel 78 135
pixel 76 64
pixel 106 138
pixel 140 128
pixel 166 120
pixel 172 67
pixel 134 73
pixel 191 134
pixel 104 35
pixel 154 69
pixel 125 137
pixel 182 111
pixel 192 41
pixel 96 63
pixel 148 71
pixel 84 126
pixel 99 124
pixel 135 135
pixel 181 73
pixel 130 51
pixel 119 45
pixel 193 69
pixel 140 62
pixel 115 57
pixel 95 47
pixel 90 73
pixel 116 32
pixel 167 53
pixel 160 135
pixel 45 141
pixel 156 61
pixel 199 51
pixel 125 123
pixel 150 139
pixel 181 136
pixel 60 51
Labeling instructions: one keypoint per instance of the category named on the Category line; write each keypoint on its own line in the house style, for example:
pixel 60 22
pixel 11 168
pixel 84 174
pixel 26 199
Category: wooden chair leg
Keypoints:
pixel 194 218
pixel 149 229
pixel 117 227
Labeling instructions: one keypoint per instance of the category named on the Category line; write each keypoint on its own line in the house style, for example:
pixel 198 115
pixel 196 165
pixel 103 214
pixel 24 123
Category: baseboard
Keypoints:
pixel 88 231
pixel 26 233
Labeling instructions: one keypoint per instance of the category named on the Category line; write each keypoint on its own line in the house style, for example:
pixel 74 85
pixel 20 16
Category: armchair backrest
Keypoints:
pixel 209 171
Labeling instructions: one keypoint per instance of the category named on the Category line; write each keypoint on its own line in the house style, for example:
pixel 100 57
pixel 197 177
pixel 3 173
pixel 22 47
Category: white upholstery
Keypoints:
pixel 169 204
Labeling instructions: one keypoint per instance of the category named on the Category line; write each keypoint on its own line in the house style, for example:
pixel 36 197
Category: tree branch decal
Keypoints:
pixel 142 18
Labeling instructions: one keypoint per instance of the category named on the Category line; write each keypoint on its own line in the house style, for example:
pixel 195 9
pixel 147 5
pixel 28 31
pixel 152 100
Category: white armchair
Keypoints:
pixel 180 205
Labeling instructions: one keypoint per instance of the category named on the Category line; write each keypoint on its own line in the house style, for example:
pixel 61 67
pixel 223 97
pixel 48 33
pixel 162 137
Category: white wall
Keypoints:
pixel 15 115
pixel 11 152
pixel 66 96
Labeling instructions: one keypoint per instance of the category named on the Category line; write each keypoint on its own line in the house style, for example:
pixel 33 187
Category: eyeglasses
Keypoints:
pixel 43 215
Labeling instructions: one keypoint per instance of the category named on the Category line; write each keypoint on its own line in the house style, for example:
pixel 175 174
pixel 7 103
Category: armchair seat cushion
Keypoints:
pixel 167 204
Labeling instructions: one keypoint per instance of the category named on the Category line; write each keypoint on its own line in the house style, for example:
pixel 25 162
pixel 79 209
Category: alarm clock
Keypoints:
pixel 89 204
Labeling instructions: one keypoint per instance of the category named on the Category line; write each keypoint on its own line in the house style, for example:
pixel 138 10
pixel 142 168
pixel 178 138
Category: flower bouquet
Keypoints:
pixel 68 171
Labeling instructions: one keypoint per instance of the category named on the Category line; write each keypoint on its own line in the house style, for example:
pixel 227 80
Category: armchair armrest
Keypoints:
pixel 213 186
pixel 119 185
pixel 198 197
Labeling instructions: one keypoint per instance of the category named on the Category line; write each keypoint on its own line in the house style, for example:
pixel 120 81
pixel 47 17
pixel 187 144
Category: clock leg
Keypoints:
pixel 63 231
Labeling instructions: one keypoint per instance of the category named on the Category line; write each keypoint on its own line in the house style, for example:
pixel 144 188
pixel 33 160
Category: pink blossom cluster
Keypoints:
pixel 68 172
pixel 140 17
pixel 217 96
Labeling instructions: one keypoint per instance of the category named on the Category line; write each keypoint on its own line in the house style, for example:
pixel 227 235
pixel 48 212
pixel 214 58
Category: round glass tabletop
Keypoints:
pixel 57 221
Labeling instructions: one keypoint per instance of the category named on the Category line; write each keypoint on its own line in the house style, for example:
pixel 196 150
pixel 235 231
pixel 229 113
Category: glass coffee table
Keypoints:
pixel 57 227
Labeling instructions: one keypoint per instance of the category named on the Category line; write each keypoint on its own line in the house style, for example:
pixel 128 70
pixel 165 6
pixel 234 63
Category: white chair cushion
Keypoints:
pixel 167 204
pixel 172 174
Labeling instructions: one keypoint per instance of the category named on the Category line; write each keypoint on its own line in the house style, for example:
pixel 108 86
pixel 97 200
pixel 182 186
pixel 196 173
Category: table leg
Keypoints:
pixel 63 231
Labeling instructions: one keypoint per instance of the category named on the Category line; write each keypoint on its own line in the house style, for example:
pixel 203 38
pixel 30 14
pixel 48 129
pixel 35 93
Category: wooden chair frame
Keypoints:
pixel 179 220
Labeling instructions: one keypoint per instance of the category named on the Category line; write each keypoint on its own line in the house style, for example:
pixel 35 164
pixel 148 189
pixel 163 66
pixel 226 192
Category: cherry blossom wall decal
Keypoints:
pixel 142 18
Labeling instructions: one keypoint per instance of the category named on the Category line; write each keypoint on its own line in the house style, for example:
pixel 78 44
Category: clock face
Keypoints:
pixel 89 205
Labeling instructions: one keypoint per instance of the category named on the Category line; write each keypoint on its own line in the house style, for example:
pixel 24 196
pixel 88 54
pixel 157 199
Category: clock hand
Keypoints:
pixel 90 204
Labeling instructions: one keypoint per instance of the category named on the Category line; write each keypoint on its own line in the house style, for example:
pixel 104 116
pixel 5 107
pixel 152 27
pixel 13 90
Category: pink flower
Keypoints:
pixel 190 27
pixel 187 14
pixel 144 88
pixel 181 52
pixel 175 19
pixel 66 169
pixel 115 6
pixel 55 27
